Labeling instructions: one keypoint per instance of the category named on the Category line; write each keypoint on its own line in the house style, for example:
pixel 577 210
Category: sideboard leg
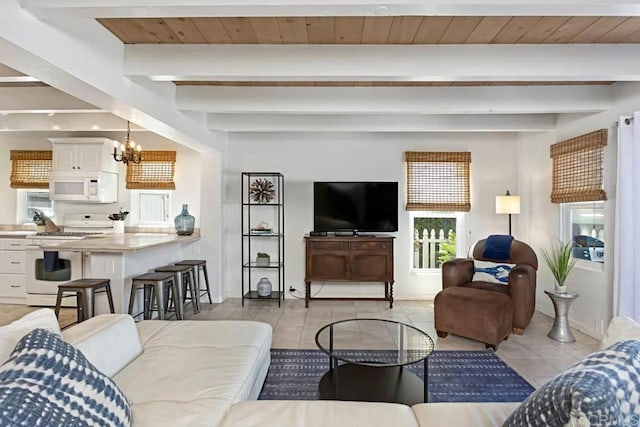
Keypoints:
pixel 307 293
pixel 391 294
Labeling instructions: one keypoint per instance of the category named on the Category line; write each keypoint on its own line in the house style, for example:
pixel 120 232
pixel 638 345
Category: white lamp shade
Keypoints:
pixel 507 204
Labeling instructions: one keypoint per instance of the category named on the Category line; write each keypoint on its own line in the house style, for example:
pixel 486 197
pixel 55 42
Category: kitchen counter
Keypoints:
pixel 128 242
pixel 15 234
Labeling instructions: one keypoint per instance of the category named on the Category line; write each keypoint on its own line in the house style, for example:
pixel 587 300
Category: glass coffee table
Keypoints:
pixel 374 352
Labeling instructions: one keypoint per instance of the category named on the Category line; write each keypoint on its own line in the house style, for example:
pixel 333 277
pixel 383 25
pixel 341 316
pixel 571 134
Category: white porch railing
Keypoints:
pixel 426 248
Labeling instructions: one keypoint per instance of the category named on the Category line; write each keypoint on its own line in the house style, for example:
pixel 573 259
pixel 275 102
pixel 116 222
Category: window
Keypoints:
pixel 438 181
pixel 435 239
pixel 29 201
pixel 155 171
pixel 577 184
pixel 584 226
pixel 153 207
pixel 438 188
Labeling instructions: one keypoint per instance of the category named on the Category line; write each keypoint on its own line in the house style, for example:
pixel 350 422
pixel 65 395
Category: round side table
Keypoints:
pixel 561 303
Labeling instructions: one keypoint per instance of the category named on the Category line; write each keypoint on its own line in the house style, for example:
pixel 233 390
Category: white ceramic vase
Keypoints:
pixel 560 289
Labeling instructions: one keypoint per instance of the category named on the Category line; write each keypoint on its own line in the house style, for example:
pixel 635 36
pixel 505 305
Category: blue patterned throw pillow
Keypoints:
pixel 601 390
pixel 48 382
pixel 487 271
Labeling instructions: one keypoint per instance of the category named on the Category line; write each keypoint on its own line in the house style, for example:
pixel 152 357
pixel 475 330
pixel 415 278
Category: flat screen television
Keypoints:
pixel 355 206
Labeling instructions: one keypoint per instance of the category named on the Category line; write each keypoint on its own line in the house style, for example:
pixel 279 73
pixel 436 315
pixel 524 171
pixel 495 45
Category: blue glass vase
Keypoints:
pixel 184 222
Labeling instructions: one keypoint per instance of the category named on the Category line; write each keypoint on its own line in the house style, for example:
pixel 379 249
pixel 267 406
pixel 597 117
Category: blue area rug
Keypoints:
pixel 454 376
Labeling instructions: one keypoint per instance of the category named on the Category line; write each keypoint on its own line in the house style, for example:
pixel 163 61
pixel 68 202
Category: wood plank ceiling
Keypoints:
pixel 378 30
pixel 409 30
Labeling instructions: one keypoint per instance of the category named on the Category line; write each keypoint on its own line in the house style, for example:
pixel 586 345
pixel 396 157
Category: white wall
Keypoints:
pixel 540 219
pixel 307 157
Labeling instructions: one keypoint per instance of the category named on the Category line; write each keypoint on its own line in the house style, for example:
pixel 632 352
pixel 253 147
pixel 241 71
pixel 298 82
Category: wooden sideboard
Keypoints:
pixel 349 259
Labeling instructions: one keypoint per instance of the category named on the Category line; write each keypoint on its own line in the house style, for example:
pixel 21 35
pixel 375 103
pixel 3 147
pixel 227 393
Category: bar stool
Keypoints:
pixel 85 291
pixel 184 279
pixel 201 266
pixel 155 286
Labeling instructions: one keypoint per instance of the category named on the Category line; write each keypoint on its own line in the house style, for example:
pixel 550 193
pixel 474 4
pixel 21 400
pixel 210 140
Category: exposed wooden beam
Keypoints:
pixel 178 8
pixel 382 123
pixel 396 100
pixel 384 63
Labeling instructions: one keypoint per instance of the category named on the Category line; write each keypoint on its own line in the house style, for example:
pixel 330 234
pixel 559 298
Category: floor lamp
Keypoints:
pixel 508 204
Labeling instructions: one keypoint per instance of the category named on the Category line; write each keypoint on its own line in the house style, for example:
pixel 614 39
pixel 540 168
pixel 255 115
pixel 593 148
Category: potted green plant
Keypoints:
pixel 262 259
pixel 560 261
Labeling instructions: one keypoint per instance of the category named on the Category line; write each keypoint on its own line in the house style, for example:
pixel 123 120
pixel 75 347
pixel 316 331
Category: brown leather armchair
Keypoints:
pixel 485 311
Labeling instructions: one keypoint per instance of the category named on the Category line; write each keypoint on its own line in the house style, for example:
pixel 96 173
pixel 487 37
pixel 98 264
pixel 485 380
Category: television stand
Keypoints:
pixel 349 259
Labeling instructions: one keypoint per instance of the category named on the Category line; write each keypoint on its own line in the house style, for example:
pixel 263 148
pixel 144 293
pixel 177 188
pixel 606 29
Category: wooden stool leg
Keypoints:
pixel 110 297
pixel 59 302
pixel 206 281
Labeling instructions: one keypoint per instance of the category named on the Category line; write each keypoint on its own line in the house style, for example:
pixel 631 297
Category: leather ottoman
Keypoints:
pixel 474 313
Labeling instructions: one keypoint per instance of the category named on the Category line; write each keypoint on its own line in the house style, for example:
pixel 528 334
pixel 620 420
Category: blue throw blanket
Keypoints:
pixel 497 246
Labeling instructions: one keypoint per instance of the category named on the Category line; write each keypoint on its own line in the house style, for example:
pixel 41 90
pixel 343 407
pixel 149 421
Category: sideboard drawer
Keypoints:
pixel 329 245
pixel 369 245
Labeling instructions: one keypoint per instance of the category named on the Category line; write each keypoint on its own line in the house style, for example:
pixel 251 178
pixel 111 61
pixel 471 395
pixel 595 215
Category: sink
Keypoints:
pixel 151 234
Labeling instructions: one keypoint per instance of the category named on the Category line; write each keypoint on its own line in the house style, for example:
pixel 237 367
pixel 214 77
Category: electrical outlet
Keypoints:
pixel 110 267
pixel 600 326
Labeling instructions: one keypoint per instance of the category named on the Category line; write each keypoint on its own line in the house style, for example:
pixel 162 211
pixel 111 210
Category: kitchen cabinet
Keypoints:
pixel 12 271
pixel 83 155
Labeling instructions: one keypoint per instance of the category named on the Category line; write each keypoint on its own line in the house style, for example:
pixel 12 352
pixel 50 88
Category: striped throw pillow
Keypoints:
pixel 48 382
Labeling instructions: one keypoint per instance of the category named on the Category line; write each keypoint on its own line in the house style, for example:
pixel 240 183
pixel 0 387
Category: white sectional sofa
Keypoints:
pixel 199 373
pixel 209 373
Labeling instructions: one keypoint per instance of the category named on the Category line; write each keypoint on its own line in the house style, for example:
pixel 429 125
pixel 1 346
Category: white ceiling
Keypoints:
pixel 96 81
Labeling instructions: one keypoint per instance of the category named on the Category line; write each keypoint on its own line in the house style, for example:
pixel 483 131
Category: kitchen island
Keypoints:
pixel 120 257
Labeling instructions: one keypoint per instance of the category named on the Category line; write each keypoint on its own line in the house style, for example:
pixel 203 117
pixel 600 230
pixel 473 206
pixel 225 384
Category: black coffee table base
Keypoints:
pixel 372 384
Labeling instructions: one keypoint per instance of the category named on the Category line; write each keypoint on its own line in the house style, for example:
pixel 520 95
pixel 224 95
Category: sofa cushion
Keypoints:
pixel 319 413
pixel 601 389
pixel 109 341
pixel 493 272
pixel 11 333
pixel 195 366
pixel 620 329
pixel 48 382
pixel 463 413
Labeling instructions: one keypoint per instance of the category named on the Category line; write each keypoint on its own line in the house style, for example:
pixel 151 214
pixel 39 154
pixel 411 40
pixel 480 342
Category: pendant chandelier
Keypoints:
pixel 129 151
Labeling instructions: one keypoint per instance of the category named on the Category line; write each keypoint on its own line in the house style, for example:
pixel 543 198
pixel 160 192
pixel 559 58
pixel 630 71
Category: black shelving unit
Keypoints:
pixel 272 243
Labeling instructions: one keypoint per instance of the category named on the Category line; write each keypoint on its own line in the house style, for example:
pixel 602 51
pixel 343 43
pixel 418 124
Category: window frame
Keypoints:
pixel 460 237
pixel 136 207
pixel 21 204
pixel 567 235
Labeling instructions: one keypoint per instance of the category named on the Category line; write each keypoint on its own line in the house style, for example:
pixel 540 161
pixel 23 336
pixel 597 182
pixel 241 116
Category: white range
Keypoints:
pixel 45 272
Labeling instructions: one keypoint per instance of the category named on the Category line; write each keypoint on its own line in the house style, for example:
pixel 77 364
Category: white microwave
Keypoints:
pixel 100 187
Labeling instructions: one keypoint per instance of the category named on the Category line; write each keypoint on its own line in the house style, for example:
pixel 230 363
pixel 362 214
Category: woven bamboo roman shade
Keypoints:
pixel 154 172
pixel 30 169
pixel 578 165
pixel 438 181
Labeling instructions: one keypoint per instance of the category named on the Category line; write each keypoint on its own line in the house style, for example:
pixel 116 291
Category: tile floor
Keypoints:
pixel 533 355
